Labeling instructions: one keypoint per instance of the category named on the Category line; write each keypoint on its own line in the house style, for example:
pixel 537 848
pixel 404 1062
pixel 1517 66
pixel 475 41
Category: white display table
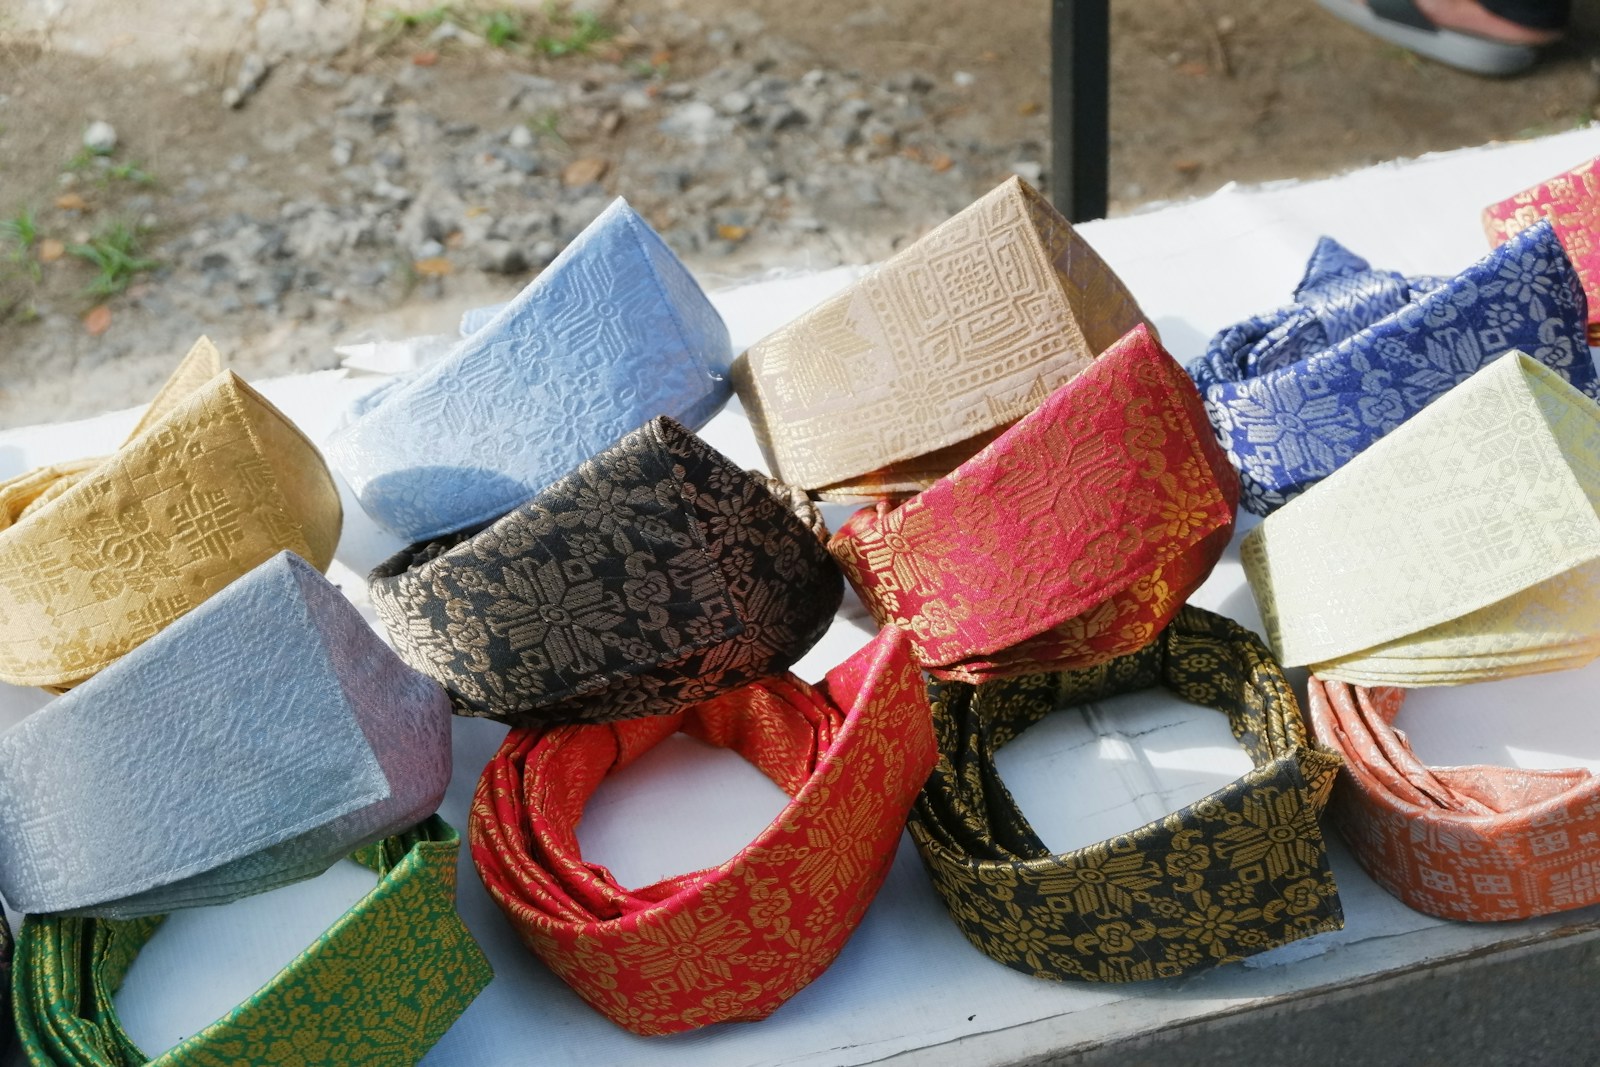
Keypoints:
pixel 908 982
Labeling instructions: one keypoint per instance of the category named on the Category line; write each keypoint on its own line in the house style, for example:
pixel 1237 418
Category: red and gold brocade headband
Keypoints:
pixel 1072 539
pixel 735 941
pixel 1571 201
pixel 1468 843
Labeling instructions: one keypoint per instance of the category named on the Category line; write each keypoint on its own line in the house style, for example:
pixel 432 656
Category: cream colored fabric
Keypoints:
pixel 893 383
pixel 1462 547
pixel 98 555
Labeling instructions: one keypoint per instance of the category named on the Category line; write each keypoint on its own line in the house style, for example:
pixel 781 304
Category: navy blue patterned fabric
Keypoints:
pixel 1296 393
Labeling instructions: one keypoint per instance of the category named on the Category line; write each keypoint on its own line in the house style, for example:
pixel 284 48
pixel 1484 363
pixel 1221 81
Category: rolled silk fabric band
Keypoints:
pixel 1463 547
pixel 1070 540
pixel 737 940
pixel 99 555
pixel 1571 203
pixel 252 743
pixel 655 575
pixel 1289 420
pixel 897 380
pixel 1238 872
pixel 610 335
pixel 1476 843
pixel 380 987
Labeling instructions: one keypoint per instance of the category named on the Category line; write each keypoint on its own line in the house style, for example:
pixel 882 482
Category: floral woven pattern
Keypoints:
pixel 1571 203
pixel 1292 409
pixel 1071 539
pixel 737 940
pixel 379 988
pixel 653 576
pixel 1240 871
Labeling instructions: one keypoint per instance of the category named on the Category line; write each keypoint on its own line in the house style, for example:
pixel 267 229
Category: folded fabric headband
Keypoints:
pixel 613 333
pixel 1073 538
pixel 1240 871
pixel 654 575
pixel 380 987
pixel 1290 417
pixel 1571 203
pixel 97 556
pixel 1461 548
pixel 735 941
pixel 907 373
pixel 1468 843
pixel 210 764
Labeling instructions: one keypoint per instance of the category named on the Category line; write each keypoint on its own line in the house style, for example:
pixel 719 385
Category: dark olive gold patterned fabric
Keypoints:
pixel 1241 870
pixel 378 989
pixel 654 576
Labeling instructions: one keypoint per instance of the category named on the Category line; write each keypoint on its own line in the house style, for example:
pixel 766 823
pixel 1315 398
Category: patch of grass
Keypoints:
pixel 426 19
pixel 572 34
pixel 115 251
pixel 130 171
pixel 84 158
pixel 500 28
pixel 22 230
pixel 547 124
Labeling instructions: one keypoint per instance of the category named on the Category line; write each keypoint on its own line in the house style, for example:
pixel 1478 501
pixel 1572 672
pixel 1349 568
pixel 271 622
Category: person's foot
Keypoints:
pixel 1469 16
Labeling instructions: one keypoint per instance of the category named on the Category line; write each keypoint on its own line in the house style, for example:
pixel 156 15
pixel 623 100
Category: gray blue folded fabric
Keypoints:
pixel 254 742
pixel 612 334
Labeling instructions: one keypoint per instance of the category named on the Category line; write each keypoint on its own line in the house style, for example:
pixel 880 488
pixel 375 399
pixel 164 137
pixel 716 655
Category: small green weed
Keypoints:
pixel 573 34
pixel 412 20
pixel 115 250
pixel 22 230
pixel 500 28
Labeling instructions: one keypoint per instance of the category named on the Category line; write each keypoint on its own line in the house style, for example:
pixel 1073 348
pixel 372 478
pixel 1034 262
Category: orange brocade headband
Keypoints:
pixel 1468 843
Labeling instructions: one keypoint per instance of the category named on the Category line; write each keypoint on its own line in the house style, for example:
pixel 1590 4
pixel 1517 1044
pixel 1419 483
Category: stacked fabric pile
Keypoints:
pixel 1043 488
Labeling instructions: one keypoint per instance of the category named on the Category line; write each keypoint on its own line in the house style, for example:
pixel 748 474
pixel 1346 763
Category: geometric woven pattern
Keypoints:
pixel 1235 873
pixel 210 763
pixel 1463 547
pixel 654 575
pixel 98 556
pixel 1289 417
pixel 378 989
pixel 1073 538
pixel 611 334
pixel 735 941
pixel 1468 843
pixel 1571 201
pixel 895 381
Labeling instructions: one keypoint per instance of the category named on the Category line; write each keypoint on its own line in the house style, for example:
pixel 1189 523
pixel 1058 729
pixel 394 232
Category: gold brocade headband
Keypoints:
pixel 98 555
pixel 894 382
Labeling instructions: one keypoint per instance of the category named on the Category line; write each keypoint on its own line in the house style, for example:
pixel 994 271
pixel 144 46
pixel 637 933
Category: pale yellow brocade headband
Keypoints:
pixel 98 555
pixel 1463 547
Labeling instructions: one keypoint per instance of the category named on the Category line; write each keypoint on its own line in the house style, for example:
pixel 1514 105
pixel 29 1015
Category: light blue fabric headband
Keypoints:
pixel 254 742
pixel 612 334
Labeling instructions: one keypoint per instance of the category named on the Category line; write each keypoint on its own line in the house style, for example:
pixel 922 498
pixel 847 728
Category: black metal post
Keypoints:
pixel 1080 107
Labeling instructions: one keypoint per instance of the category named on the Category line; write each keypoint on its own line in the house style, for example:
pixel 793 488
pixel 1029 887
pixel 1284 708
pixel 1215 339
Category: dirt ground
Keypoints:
pixel 1204 92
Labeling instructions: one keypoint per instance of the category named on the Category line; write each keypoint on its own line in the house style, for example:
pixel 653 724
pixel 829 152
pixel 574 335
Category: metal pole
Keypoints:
pixel 1080 104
